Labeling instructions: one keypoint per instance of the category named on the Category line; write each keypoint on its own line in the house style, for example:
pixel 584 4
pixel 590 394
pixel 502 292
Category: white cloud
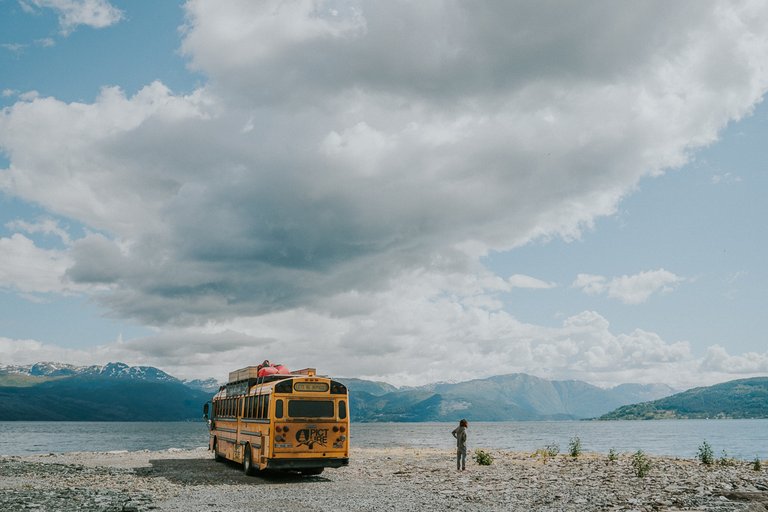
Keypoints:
pixel 46 42
pixel 633 289
pixel 337 181
pixel 26 351
pixel 456 342
pixel 725 178
pixel 334 167
pixel 29 95
pixel 16 48
pixel 523 281
pixel 45 226
pixel 718 360
pixel 72 13
pixel 29 269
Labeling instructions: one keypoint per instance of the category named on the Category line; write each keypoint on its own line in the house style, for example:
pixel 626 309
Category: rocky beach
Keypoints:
pixel 376 480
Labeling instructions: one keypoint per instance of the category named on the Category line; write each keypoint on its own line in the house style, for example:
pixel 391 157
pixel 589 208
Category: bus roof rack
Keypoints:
pixel 306 371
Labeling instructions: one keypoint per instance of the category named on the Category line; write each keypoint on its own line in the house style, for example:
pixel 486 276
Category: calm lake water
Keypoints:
pixel 742 439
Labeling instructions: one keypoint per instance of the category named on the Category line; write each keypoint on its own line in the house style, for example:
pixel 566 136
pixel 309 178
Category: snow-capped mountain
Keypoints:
pixel 111 370
pixel 207 385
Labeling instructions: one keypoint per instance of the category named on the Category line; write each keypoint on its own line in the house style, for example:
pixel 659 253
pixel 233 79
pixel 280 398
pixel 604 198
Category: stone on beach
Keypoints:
pixel 376 479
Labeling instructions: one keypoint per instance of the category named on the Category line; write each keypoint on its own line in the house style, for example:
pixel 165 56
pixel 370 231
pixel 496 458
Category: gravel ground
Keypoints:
pixel 376 480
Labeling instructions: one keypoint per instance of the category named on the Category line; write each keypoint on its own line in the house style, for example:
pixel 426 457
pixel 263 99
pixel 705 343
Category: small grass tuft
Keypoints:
pixel 613 456
pixel 552 449
pixel 725 460
pixel 756 465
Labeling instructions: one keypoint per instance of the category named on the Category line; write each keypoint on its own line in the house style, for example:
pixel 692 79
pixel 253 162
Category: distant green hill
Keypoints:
pixel 744 398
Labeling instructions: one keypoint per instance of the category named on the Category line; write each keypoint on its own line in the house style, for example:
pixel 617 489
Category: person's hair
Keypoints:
pixel 463 423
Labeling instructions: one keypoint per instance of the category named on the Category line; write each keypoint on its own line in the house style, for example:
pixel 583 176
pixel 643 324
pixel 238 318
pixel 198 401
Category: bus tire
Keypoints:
pixel 248 461
pixel 216 456
pixel 311 471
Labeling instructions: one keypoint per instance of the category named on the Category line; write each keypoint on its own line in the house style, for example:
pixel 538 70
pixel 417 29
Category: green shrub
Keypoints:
pixel 725 460
pixel 574 447
pixel 641 463
pixel 756 464
pixel 483 458
pixel 705 454
pixel 613 456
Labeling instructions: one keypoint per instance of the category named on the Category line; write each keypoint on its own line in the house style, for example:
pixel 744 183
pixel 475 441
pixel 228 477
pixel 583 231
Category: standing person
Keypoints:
pixel 460 433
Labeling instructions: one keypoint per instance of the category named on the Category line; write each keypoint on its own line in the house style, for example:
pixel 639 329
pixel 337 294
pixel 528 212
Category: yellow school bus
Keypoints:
pixel 295 421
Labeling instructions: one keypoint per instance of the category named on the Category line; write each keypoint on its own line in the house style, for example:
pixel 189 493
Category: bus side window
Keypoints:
pixel 248 409
pixel 342 409
pixel 278 408
pixel 265 407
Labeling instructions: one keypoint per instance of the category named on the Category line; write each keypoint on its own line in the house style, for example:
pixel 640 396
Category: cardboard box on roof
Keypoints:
pixel 249 372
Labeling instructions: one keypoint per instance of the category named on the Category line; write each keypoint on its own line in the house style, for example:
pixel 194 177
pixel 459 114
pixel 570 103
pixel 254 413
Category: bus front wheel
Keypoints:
pixel 248 461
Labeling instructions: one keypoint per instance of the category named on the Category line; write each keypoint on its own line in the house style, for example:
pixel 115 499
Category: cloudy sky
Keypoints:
pixel 402 191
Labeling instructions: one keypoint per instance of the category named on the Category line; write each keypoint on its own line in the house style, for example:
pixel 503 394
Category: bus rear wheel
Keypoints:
pixel 311 471
pixel 216 456
pixel 248 461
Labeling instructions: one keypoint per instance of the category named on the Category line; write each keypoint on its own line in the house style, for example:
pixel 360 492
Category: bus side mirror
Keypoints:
pixel 205 410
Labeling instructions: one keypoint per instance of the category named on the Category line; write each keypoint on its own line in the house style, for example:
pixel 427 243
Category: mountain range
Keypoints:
pixel 500 398
pixel 118 392
pixel 114 392
pixel 38 372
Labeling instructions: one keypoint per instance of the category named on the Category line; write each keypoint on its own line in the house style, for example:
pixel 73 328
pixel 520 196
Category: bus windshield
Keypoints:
pixel 310 408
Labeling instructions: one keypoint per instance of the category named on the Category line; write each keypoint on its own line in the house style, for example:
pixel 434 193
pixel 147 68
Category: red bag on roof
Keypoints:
pixel 267 370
